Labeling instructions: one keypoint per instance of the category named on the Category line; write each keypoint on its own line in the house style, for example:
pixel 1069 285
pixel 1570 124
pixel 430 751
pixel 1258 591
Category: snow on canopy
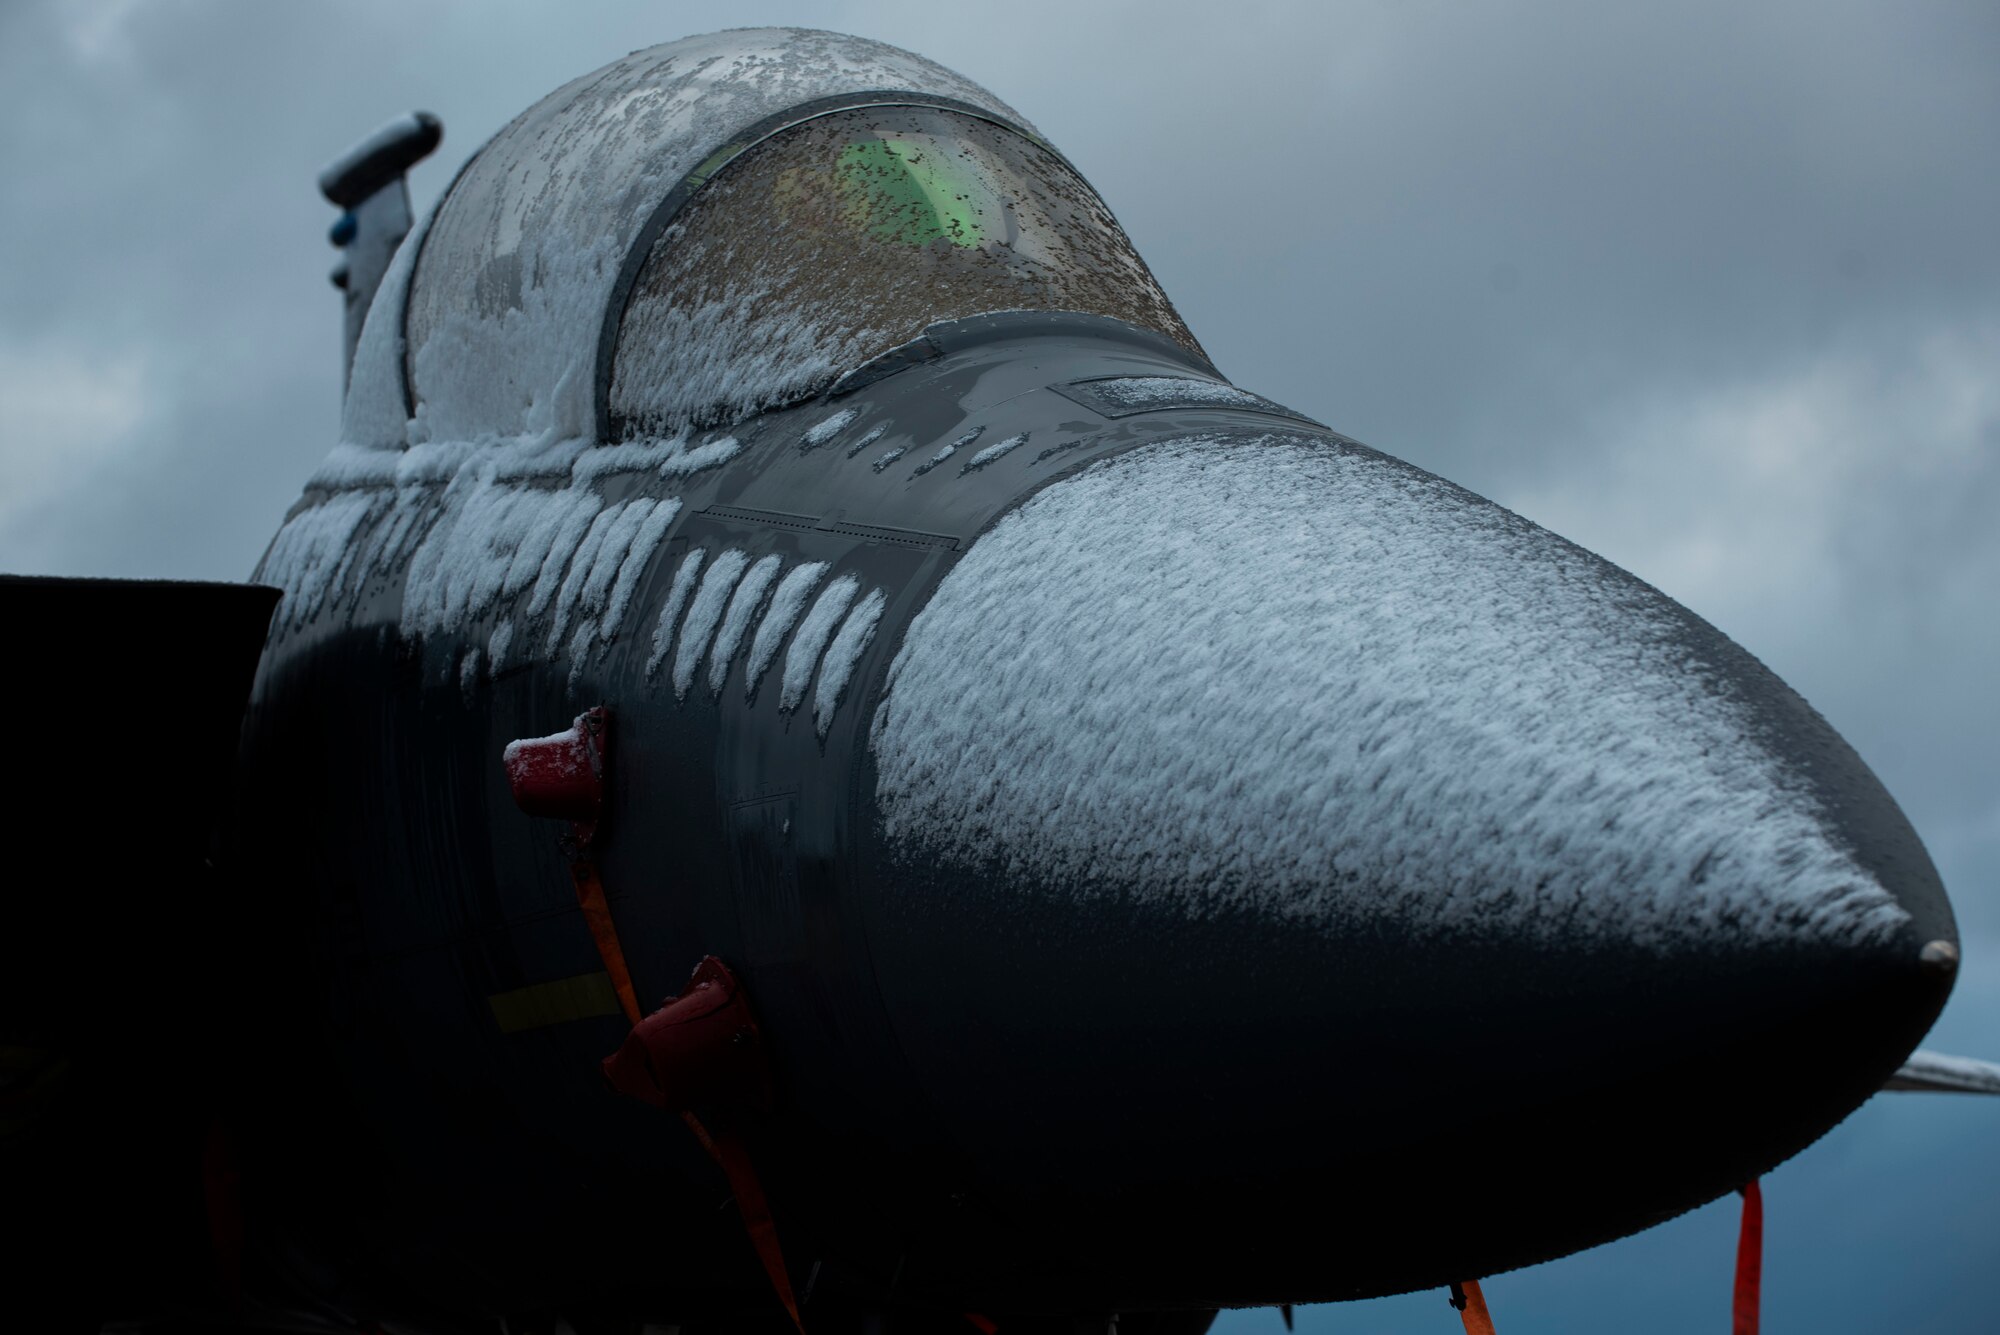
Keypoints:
pixel 510 292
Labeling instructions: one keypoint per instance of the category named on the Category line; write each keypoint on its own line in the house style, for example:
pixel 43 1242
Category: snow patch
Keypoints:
pixel 997 450
pixel 604 573
pixel 310 555
pixel 786 603
pixel 637 557
pixel 564 525
pixel 519 459
pixel 813 634
pixel 671 609
pixel 949 450
pixel 875 433
pixel 736 622
pixel 819 433
pixel 375 414
pixel 498 643
pixel 703 615
pixel 668 458
pixel 726 359
pixel 1298 679
pixel 471 526
pixel 1141 393
pixel 842 656
pixel 582 561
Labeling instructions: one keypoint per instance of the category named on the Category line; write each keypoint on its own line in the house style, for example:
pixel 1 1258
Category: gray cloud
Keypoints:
pixel 1710 288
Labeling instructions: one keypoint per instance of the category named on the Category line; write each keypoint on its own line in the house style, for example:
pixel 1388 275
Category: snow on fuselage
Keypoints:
pixel 1135 810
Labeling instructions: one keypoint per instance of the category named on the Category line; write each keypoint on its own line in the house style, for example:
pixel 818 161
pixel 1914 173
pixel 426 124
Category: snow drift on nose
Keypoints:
pixel 1290 677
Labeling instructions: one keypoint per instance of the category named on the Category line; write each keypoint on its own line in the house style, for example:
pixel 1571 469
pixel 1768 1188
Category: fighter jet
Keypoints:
pixel 810 761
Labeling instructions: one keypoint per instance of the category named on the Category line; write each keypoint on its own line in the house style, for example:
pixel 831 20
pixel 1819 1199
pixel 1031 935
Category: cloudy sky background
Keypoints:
pixel 1715 293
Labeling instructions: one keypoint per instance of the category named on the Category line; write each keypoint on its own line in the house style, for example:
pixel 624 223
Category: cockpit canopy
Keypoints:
pixel 721 225
pixel 842 236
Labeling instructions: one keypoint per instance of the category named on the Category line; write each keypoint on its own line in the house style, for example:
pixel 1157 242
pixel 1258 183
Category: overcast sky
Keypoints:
pixel 1715 293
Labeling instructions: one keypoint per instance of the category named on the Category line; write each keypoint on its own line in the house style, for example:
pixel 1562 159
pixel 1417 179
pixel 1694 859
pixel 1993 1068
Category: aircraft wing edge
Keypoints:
pixel 1942 1073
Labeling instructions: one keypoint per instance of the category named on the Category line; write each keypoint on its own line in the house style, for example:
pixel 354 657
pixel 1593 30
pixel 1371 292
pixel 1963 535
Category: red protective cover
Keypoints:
pixel 701 1050
pixel 561 775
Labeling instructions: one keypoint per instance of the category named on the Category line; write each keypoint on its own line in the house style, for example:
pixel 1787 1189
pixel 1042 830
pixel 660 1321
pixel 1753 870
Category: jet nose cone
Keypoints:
pixel 1313 683
pixel 1314 824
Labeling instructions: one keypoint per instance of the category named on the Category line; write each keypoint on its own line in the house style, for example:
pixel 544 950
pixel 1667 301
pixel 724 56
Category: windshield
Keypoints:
pixel 841 237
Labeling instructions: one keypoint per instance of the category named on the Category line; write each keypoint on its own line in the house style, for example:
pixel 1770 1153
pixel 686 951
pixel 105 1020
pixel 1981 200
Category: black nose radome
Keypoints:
pixel 1282 810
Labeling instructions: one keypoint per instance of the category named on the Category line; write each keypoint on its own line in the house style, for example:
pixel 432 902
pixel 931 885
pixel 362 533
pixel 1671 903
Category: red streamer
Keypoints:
pixel 1471 1305
pixel 1749 1263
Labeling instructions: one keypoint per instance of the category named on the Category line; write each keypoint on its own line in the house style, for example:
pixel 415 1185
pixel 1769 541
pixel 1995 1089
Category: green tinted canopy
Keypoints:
pixel 907 190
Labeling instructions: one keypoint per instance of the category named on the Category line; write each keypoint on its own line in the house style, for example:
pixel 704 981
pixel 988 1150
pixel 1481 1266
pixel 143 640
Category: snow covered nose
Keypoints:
pixel 1389 706
pixel 1319 773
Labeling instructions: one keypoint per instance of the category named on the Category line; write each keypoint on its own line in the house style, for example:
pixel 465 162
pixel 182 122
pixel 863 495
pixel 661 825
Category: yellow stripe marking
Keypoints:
pixel 580 998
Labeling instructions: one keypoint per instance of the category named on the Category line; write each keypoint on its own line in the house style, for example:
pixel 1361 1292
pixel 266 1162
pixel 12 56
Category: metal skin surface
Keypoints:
pixel 991 1094
pixel 730 830
pixel 1006 1104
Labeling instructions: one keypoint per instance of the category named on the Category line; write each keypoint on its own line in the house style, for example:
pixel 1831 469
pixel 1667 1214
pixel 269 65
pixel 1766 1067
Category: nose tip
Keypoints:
pixel 1939 958
pixel 1878 959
